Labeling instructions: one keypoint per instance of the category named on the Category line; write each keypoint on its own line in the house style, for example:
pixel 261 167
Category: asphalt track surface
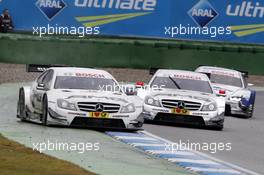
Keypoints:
pixel 245 135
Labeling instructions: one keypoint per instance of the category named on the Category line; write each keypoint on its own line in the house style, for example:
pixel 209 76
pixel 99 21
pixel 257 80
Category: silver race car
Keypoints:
pixel 232 84
pixel 184 97
pixel 78 97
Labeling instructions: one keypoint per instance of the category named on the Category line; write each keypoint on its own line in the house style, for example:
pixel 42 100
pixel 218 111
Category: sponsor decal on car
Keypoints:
pixel 90 75
pixel 77 114
pixel 120 116
pixel 189 77
pixel 98 115
pixel 180 111
pixel 161 110
pixel 225 73
pixel 200 114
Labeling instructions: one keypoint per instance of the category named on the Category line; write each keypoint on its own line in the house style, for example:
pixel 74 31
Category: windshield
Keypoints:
pixel 87 83
pixel 185 84
pixel 226 80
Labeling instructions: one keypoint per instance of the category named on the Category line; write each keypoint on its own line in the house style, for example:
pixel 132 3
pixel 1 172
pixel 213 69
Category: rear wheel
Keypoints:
pixel 21 105
pixel 44 110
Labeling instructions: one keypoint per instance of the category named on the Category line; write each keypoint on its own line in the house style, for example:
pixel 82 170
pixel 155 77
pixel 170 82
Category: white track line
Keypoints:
pixel 214 170
pixel 207 156
pixel 134 138
pixel 170 152
pixel 193 161
pixel 147 144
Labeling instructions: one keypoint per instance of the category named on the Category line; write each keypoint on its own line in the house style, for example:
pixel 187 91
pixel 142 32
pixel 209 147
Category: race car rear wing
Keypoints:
pixel 245 74
pixel 41 67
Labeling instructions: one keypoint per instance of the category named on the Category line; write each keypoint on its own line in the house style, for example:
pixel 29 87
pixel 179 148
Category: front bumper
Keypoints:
pixel 58 116
pixel 241 106
pixel 210 118
pixel 236 108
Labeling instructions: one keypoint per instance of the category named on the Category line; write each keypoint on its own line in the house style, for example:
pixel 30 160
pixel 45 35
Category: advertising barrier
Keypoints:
pixel 238 21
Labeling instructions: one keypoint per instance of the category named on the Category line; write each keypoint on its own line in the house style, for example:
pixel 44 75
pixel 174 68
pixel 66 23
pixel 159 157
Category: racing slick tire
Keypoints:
pixel 227 110
pixel 219 128
pixel 21 106
pixel 250 115
pixel 216 127
pixel 44 115
pixel 252 99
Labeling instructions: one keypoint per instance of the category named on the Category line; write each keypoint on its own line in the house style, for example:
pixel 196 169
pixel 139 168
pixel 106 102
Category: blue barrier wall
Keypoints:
pixel 238 21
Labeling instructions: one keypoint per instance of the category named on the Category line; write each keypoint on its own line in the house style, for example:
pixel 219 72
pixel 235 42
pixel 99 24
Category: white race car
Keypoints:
pixel 79 97
pixel 232 84
pixel 184 97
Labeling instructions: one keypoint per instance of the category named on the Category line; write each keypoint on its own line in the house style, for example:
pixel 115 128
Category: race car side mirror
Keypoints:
pixel 140 84
pixel 221 92
pixel 41 86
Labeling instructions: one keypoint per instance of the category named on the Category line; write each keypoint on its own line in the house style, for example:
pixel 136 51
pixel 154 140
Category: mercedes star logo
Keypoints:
pixel 181 105
pixel 99 107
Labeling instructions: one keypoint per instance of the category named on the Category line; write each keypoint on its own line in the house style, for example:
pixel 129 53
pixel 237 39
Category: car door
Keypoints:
pixel 43 85
pixel 35 86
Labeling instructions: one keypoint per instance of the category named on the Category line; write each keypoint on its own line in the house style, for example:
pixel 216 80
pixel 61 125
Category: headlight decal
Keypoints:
pixel 129 108
pixel 210 107
pixel 64 104
pixel 153 102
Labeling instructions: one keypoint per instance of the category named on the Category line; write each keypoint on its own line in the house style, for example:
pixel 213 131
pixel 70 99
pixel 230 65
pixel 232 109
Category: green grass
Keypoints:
pixel 19 160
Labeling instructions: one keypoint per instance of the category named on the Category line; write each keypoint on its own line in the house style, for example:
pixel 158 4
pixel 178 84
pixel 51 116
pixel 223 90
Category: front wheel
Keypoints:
pixel 216 128
pixel 44 111
pixel 227 110
pixel 219 128
pixel 250 115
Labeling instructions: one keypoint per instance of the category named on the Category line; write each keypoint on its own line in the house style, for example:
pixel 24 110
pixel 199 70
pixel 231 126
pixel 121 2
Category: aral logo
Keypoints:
pixel 50 8
pixel 203 13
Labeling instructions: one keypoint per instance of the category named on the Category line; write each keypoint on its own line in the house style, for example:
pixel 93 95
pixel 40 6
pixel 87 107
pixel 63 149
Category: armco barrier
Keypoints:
pixel 132 53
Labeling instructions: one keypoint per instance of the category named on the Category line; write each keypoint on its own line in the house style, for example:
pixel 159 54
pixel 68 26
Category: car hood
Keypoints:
pixel 89 95
pixel 185 95
pixel 229 89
